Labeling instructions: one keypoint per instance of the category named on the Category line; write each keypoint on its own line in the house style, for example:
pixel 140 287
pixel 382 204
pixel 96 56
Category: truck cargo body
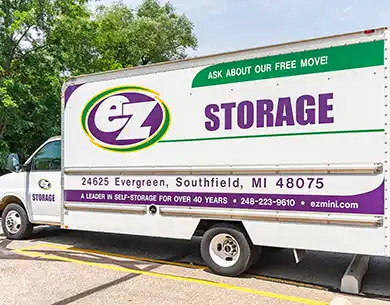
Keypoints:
pixel 287 142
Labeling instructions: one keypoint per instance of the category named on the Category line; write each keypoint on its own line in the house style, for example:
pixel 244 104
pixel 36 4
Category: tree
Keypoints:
pixel 40 39
pixel 121 37
pixel 29 79
pixel 153 33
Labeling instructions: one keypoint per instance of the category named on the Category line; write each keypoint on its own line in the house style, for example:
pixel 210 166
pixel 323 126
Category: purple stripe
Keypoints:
pixel 367 203
pixel 69 91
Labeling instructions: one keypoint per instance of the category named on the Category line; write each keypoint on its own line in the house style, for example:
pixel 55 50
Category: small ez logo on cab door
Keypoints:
pixel 44 184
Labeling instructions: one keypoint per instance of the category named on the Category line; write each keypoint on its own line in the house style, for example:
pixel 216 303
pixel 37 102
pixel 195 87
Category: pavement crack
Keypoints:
pixel 91 291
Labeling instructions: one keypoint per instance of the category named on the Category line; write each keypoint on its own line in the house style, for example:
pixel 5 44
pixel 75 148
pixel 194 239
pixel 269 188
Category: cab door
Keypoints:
pixel 44 184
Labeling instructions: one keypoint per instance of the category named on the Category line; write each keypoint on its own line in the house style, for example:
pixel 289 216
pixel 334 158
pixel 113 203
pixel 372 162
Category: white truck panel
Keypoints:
pixel 352 90
pixel 146 225
pixel 362 240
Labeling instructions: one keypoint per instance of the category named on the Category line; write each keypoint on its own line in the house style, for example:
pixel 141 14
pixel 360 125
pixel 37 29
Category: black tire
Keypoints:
pixel 25 228
pixel 256 254
pixel 243 262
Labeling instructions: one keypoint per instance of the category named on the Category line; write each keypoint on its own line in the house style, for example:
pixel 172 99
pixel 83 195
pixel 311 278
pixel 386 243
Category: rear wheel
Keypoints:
pixel 15 222
pixel 226 250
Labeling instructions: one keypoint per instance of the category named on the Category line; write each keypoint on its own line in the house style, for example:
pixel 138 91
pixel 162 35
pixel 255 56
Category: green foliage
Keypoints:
pixel 42 39
pixel 4 152
pixel 153 33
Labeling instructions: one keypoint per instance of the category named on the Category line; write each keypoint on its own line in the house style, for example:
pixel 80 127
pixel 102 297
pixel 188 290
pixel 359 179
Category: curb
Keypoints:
pixel 351 281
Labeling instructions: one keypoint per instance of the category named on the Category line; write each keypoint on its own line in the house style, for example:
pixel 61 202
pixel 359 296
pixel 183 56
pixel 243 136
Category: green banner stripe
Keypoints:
pixel 275 135
pixel 338 58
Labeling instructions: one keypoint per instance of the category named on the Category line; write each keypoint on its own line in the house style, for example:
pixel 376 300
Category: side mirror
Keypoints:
pixel 13 163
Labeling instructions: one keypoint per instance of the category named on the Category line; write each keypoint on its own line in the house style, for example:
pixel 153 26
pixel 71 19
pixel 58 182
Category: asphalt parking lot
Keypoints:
pixel 72 267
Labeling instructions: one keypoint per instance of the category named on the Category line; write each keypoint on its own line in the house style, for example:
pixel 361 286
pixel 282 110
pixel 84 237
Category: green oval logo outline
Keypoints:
pixel 158 135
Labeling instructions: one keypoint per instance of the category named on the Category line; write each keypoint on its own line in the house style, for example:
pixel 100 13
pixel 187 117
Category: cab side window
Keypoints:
pixel 48 158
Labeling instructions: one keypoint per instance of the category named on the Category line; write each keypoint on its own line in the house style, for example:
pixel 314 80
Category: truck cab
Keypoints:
pixel 31 193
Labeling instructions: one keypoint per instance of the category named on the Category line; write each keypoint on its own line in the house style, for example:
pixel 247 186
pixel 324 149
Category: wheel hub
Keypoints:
pixel 224 250
pixel 13 222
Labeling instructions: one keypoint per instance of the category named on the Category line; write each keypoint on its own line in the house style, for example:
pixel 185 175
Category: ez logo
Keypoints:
pixel 125 118
pixel 44 184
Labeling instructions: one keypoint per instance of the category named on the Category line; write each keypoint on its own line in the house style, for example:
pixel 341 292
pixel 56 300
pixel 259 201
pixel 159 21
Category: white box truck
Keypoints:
pixel 281 146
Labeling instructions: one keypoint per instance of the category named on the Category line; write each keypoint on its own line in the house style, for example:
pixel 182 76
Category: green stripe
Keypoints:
pixel 275 135
pixel 360 55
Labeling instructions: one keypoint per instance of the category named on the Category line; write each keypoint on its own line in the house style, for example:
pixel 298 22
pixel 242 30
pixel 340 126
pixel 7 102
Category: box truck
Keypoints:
pixel 278 146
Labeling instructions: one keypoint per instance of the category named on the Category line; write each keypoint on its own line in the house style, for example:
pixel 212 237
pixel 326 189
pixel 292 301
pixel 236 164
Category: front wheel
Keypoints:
pixel 226 250
pixel 15 223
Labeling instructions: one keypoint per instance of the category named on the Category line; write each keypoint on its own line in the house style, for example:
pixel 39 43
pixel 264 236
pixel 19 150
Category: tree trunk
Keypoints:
pixel 2 129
